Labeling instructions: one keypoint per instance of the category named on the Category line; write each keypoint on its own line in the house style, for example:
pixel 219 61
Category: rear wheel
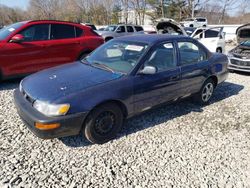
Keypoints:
pixel 219 50
pixel 83 55
pixel 103 123
pixel 206 92
pixel 108 39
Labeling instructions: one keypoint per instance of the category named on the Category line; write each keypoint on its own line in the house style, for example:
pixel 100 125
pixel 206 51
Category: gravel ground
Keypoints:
pixel 179 145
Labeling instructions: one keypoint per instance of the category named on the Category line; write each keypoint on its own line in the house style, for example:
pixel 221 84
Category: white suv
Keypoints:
pixel 194 22
pixel 213 38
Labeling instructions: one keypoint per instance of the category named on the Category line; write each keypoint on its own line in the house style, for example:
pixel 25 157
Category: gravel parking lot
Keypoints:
pixel 179 145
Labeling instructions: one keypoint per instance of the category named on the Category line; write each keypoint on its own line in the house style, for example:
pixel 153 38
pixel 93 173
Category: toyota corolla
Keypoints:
pixel 123 77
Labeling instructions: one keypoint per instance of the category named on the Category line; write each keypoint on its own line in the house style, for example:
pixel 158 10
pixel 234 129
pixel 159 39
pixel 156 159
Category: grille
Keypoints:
pixel 27 97
pixel 241 63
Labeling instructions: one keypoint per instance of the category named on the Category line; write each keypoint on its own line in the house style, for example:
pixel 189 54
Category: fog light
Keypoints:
pixel 45 127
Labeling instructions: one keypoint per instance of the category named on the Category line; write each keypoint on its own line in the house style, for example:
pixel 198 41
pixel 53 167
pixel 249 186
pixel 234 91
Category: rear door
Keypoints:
pixel 213 39
pixel 121 31
pixel 194 66
pixel 130 30
pixel 29 55
pixel 64 45
pixel 165 85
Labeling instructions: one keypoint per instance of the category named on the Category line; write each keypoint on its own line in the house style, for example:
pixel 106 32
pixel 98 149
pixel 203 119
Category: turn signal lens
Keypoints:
pixel 64 109
pixel 45 127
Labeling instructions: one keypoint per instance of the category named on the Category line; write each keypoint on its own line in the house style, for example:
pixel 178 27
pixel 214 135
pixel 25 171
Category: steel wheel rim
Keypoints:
pixel 104 123
pixel 207 92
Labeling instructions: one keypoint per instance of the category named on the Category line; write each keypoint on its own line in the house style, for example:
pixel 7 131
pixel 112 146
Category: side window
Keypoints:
pixel 79 32
pixel 121 29
pixel 130 29
pixel 36 33
pixel 211 34
pixel 163 57
pixel 138 28
pixel 198 33
pixel 190 53
pixel 62 31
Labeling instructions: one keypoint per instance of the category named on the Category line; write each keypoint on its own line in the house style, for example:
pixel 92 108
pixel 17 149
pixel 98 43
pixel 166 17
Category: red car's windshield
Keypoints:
pixel 6 31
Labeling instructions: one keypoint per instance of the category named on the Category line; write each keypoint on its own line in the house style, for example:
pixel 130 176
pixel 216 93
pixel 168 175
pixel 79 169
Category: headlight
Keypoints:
pixel 229 55
pixel 51 109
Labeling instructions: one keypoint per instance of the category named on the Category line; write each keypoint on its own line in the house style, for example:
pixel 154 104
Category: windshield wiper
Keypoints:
pixel 100 65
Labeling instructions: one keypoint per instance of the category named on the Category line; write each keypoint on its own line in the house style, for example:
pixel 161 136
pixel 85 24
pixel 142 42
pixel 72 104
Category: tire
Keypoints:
pixel 218 50
pixel 108 39
pixel 103 123
pixel 206 92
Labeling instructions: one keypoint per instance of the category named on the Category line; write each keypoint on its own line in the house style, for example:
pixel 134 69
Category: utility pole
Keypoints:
pixel 193 8
pixel 162 9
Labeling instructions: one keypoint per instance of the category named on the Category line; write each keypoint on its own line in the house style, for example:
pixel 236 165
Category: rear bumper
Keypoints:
pixel 69 124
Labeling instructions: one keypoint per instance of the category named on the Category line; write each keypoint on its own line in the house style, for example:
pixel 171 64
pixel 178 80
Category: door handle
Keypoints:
pixel 174 78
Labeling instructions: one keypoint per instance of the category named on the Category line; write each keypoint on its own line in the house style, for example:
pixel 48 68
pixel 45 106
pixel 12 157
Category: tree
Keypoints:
pixel 226 6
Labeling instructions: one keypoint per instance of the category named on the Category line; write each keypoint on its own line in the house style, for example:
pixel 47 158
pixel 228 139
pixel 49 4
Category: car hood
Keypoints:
pixel 169 26
pixel 55 83
pixel 243 31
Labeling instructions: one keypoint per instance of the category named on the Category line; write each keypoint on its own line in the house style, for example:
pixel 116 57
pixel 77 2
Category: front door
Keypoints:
pixel 151 90
pixel 28 55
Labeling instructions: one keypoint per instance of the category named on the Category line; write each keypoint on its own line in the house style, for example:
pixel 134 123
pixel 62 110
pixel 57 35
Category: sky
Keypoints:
pixel 24 4
pixel 15 3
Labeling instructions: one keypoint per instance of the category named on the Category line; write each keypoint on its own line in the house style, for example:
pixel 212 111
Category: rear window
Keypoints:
pixel 201 20
pixel 211 34
pixel 62 31
pixel 245 33
pixel 138 28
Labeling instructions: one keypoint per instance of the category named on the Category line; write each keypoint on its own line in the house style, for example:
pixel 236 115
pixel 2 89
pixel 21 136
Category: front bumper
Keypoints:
pixel 238 64
pixel 69 124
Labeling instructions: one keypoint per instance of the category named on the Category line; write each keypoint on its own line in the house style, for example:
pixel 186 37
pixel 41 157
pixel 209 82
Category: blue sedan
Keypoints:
pixel 123 77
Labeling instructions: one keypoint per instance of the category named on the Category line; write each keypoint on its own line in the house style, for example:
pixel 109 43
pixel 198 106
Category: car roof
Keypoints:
pixel 152 38
pixel 56 21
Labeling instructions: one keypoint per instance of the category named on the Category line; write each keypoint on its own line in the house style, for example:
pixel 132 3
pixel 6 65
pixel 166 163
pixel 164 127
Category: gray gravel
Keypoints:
pixel 180 145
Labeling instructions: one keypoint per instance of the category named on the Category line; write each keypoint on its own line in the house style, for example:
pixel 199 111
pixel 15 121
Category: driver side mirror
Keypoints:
pixel 18 38
pixel 148 70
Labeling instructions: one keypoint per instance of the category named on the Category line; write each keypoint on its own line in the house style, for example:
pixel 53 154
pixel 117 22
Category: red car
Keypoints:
pixel 30 46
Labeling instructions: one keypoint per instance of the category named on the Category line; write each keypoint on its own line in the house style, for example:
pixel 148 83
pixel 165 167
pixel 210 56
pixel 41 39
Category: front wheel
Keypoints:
pixel 103 123
pixel 219 50
pixel 206 92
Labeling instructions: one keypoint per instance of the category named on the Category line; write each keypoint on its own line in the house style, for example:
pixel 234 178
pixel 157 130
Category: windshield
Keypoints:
pixel 6 31
pixel 117 56
pixel 244 33
pixel 110 28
